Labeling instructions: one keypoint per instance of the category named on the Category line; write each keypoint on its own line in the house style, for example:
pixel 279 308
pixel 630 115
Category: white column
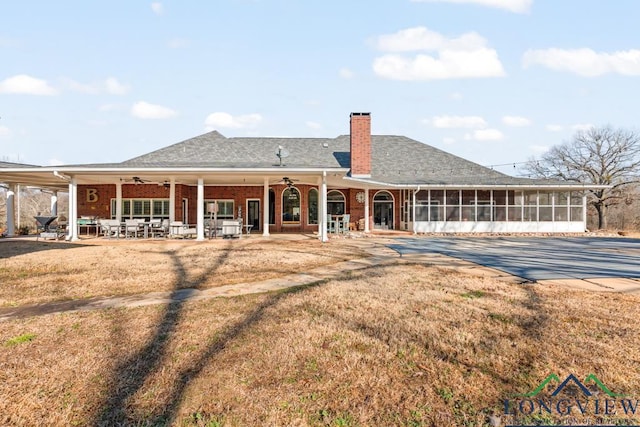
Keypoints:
pixel 366 210
pixel 72 225
pixel 323 198
pixel 265 207
pixel 172 199
pixel 200 211
pixel 119 201
pixel 584 210
pixel 11 210
pixel 413 210
pixel 18 206
pixel 54 203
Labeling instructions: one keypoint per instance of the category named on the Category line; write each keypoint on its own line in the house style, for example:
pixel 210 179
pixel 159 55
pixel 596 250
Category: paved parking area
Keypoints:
pixel 539 258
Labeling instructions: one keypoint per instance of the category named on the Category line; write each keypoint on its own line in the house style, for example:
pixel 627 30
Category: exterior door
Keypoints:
pixel 383 211
pixel 383 215
pixel 253 214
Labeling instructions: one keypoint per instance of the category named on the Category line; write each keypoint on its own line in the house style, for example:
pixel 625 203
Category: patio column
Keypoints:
pixel 265 207
pixel 172 200
pixel 54 203
pixel 72 225
pixel 323 209
pixel 366 210
pixel 584 210
pixel 413 209
pixel 11 212
pixel 17 205
pixel 119 201
pixel 200 211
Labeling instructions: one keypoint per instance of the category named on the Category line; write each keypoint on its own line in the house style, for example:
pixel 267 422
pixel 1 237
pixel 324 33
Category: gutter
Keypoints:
pixel 582 186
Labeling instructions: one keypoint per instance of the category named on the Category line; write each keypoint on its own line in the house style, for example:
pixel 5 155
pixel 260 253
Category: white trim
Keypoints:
pixel 200 211
pixel 308 205
pixel 499 227
pixel 265 207
pixel 246 207
pixel 11 212
pixel 393 207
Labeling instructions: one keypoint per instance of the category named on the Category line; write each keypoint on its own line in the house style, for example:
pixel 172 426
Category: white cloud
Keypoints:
pixel 539 149
pixel 579 127
pixel 554 128
pixel 516 6
pixel 466 56
pixel 178 43
pixel 144 110
pixel 157 8
pixel 85 88
pixel 110 85
pixel 346 73
pixel 457 122
pixel 485 135
pixel 111 107
pixel 516 121
pixel 313 125
pixel 226 120
pixel 24 84
pixel 585 62
pixel 4 132
pixel 114 87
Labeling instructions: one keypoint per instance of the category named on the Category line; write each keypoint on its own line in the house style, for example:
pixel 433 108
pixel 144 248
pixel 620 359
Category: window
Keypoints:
pixel 291 205
pixel 313 206
pixel 225 208
pixel 335 203
pixel 142 208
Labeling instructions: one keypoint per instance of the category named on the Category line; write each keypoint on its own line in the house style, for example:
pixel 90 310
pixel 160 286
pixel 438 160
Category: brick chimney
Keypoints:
pixel 360 131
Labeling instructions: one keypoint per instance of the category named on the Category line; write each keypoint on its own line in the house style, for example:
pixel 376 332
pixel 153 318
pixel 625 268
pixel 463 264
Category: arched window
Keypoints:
pixel 291 205
pixel 313 206
pixel 335 203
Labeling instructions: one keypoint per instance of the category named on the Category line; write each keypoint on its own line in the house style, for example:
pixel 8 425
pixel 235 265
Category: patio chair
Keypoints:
pixel 131 228
pixel 181 230
pixel 109 227
pixel 159 228
pixel 343 223
pixel 331 224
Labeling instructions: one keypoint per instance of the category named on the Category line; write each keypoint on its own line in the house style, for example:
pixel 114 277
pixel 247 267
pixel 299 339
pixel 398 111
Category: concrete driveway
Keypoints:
pixel 597 260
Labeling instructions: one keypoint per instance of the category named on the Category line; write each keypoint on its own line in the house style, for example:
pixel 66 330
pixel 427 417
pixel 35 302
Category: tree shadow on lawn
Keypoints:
pixel 14 247
pixel 534 325
pixel 130 374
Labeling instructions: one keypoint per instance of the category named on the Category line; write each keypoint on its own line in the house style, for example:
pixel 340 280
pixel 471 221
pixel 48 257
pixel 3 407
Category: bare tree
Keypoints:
pixel 600 155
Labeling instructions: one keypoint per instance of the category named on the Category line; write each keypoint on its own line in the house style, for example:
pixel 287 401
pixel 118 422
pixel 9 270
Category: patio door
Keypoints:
pixel 383 211
pixel 253 213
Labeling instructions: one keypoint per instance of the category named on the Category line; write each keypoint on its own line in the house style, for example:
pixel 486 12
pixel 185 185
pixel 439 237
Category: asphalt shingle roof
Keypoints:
pixel 395 159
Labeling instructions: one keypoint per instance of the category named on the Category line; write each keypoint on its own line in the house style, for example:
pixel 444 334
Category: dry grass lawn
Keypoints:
pixel 37 272
pixel 399 345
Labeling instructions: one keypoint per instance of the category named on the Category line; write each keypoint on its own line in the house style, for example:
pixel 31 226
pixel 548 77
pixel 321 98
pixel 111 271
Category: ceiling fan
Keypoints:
pixel 288 181
pixel 134 179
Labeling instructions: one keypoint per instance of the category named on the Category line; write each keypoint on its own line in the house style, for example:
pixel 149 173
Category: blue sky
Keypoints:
pixel 494 81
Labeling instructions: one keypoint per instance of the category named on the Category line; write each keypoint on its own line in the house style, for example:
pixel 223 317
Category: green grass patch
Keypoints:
pixel 19 339
pixel 472 294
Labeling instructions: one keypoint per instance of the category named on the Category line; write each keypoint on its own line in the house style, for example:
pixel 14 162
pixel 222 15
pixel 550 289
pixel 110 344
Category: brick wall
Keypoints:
pixel 360 128
pixel 94 200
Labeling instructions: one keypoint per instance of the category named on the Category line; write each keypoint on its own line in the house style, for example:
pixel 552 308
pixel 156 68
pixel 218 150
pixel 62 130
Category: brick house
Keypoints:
pixel 382 182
